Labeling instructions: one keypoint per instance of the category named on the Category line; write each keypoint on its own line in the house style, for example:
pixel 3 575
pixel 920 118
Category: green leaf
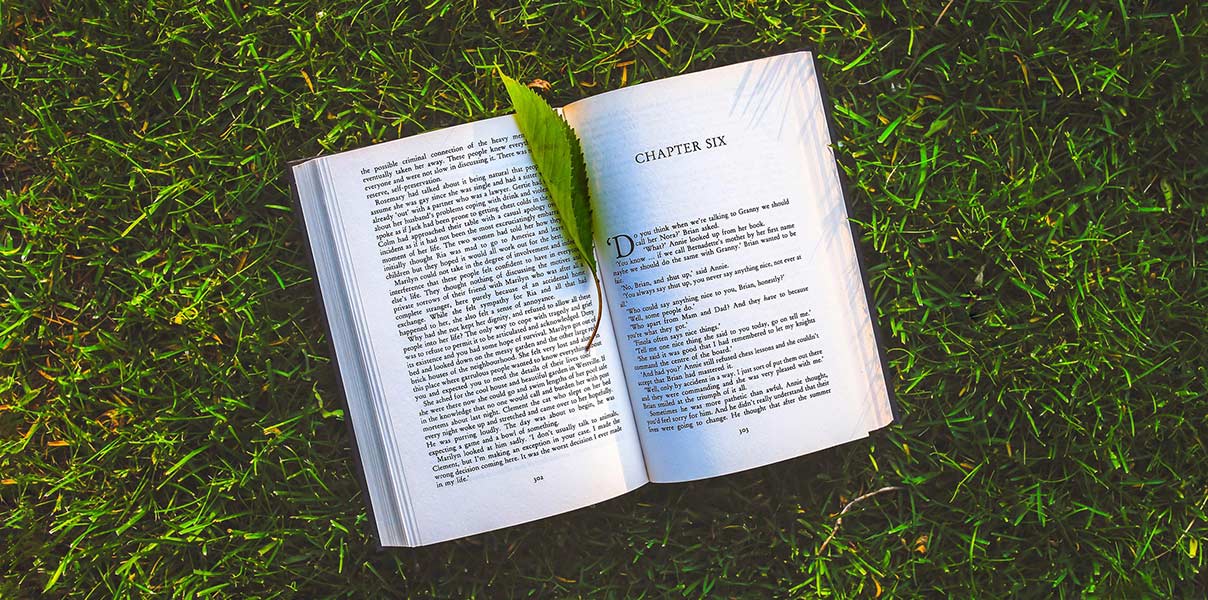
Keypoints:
pixel 559 159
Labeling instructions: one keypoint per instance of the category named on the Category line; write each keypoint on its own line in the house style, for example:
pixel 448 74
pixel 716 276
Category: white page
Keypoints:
pixel 465 322
pixel 724 179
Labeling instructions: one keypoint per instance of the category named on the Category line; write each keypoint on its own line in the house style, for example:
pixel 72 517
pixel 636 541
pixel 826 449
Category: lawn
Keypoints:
pixel 1030 182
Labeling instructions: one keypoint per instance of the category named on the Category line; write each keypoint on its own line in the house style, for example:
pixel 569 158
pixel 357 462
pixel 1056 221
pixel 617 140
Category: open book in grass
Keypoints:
pixel 737 329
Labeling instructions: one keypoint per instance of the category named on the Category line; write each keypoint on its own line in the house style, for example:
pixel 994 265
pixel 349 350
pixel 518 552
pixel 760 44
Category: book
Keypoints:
pixel 737 327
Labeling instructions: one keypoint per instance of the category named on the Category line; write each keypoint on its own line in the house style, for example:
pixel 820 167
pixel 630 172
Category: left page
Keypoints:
pixel 471 313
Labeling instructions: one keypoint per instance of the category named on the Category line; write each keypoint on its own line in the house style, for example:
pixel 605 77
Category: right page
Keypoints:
pixel 730 268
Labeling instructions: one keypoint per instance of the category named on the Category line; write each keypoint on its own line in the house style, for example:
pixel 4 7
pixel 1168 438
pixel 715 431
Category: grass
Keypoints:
pixel 1032 184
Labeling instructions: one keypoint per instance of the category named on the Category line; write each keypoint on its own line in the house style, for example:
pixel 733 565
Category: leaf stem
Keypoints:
pixel 599 313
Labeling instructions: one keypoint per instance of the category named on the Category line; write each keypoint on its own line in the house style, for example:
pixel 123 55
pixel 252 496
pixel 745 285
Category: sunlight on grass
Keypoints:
pixel 1029 180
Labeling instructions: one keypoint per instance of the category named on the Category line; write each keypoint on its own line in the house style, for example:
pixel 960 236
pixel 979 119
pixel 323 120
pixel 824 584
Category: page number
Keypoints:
pixel 538 478
pixel 743 430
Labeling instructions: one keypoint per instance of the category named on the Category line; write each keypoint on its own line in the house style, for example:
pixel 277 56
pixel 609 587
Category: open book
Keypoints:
pixel 737 330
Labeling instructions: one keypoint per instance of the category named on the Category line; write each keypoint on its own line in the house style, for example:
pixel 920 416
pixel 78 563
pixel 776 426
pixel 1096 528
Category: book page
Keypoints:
pixel 738 301
pixel 475 315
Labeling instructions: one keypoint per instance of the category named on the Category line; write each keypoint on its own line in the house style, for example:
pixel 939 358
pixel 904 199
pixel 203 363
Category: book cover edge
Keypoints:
pixel 358 465
pixel 861 260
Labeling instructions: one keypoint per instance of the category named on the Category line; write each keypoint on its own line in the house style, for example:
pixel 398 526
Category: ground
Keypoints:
pixel 1030 185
